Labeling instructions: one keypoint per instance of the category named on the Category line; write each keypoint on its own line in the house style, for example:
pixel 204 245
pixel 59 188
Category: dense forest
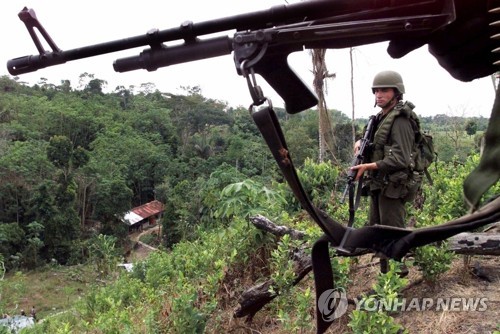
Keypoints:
pixel 71 158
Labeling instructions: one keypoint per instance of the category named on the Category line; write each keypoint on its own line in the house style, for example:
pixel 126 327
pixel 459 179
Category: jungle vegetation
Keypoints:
pixel 72 157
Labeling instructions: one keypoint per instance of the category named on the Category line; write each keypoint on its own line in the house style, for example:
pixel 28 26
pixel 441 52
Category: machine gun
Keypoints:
pixel 262 41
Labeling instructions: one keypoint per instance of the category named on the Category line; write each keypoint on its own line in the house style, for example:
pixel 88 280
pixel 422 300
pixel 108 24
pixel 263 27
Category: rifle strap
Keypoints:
pixel 268 124
pixel 323 282
pixel 429 177
pixel 354 201
pixel 335 233
pixel 390 241
pixel 352 205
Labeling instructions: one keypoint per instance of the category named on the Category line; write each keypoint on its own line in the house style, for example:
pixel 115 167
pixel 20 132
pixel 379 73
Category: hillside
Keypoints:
pixel 458 282
pixel 74 157
pixel 57 290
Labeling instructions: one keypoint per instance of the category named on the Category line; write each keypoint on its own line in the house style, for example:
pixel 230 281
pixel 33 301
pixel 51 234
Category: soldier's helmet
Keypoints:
pixel 388 79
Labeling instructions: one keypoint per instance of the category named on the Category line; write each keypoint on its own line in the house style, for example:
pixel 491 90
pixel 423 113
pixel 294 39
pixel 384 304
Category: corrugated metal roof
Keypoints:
pixel 131 218
pixel 149 209
pixel 144 211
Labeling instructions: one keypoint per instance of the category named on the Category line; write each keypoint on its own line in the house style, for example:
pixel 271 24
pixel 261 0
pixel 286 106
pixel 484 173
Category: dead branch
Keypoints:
pixel 475 243
pixel 255 298
pixel 263 223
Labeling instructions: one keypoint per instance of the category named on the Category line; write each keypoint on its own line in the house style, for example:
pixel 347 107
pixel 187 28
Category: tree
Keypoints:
pixel 193 114
pixel 23 167
pixel 210 190
pixel 247 198
pixel 471 127
pixel 111 200
pixel 301 145
pixel 454 130
pixel 59 151
pixel 321 73
pixel 353 125
pixel 103 253
pixel 12 242
pixel 34 244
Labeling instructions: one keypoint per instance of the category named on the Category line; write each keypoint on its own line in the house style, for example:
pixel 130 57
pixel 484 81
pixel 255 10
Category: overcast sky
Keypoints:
pixel 73 24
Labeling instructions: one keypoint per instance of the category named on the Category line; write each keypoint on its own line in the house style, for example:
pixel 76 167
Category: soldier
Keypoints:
pixel 392 180
pixel 33 313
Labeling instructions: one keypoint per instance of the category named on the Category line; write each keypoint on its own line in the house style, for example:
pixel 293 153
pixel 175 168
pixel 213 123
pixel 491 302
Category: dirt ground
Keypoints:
pixel 458 282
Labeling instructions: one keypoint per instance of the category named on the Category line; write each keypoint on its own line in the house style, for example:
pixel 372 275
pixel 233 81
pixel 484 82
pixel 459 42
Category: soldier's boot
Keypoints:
pixel 384 266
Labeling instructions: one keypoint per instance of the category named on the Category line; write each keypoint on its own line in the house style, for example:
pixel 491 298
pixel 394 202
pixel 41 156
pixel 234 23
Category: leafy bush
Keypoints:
pixel 363 322
pixel 386 289
pixel 433 260
pixel 247 198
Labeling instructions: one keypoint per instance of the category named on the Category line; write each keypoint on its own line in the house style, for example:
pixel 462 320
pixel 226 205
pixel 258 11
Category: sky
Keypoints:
pixel 83 23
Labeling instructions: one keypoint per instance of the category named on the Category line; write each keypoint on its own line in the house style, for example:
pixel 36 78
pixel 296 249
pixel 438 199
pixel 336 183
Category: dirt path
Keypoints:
pixel 140 250
pixel 137 235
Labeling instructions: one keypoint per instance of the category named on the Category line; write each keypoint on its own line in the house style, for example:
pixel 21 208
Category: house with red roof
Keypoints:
pixel 144 216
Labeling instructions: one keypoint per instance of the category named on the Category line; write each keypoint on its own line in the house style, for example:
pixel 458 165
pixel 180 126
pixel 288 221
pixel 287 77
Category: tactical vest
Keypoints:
pixel 383 131
pixel 381 140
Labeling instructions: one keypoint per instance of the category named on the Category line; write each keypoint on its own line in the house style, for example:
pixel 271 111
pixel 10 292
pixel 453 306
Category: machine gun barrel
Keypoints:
pixel 280 15
pixel 262 41
pixel 187 31
pixel 152 59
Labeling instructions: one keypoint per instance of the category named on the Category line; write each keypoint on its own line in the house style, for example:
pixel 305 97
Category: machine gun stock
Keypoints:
pixel 262 41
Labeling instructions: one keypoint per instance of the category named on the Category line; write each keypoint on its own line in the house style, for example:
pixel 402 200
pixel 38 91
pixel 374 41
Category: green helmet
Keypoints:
pixel 388 79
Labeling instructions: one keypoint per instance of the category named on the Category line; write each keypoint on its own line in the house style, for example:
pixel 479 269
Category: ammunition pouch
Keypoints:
pixel 402 185
pixel 396 187
pixel 414 185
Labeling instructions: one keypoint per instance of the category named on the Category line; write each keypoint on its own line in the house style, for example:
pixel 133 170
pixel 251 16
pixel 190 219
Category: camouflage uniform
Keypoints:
pixel 393 183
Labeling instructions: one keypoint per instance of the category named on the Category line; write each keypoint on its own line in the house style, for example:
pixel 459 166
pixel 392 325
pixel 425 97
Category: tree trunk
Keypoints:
pixel 258 296
pixel 320 73
pixel 353 123
pixel 263 223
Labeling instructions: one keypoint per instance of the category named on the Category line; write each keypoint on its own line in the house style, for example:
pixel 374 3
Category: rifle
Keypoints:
pixel 358 159
pixel 262 41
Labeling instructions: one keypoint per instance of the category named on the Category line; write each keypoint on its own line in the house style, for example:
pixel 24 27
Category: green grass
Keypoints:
pixel 51 290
